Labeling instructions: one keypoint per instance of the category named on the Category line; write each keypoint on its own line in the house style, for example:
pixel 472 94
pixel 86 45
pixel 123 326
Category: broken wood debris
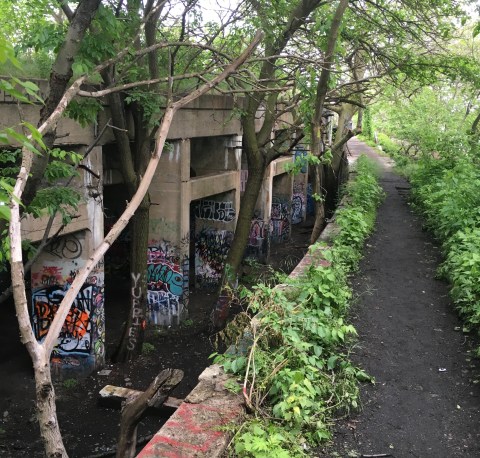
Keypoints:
pixel 113 396
pixel 134 407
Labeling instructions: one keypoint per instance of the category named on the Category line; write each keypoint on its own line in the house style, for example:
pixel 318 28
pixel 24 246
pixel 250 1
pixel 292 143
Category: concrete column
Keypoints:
pixel 168 236
pixel 299 196
pixel 81 345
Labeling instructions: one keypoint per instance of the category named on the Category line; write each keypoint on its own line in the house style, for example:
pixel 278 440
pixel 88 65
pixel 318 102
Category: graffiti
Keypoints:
pixel 163 307
pixel 258 237
pixel 211 249
pixel 51 275
pixel 165 276
pixel 67 361
pixel 186 286
pixel 280 221
pixel 298 203
pixel 215 211
pixel 243 180
pixel 75 336
pixel 67 247
pixel 138 321
pixel 162 251
pixel 310 201
pixel 98 321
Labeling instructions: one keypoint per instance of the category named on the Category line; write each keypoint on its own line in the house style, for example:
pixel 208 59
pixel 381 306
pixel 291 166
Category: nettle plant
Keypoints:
pixel 293 353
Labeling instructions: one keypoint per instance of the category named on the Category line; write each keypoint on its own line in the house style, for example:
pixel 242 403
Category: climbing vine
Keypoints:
pixel 293 354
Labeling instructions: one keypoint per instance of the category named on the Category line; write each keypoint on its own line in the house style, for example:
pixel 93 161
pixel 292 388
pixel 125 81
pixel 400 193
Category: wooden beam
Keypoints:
pixel 113 396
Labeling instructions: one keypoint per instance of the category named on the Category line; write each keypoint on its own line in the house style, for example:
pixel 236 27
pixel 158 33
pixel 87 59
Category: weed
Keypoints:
pixel 147 348
pixel 188 323
pixel 70 383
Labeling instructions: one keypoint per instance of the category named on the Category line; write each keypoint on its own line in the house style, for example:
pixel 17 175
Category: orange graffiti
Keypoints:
pixel 76 323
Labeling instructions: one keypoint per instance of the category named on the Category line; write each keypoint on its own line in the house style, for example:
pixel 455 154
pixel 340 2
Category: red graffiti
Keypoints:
pixel 202 424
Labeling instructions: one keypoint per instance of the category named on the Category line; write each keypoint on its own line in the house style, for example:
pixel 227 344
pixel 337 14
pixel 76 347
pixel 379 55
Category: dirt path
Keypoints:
pixel 425 402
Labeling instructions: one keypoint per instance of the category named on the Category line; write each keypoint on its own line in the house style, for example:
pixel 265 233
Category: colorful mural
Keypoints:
pixel 167 279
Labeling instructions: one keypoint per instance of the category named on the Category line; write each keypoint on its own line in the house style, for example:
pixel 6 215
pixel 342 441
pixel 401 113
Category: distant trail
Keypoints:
pixel 424 403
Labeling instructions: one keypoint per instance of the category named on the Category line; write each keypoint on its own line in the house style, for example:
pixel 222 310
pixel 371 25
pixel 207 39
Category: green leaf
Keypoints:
pixel 36 135
pixel 5 212
pixel 332 361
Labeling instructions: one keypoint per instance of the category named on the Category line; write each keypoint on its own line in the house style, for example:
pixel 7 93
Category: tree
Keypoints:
pixel 317 149
pixel 258 147
pixel 40 351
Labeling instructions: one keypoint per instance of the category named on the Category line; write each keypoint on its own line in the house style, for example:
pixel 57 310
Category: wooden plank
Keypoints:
pixel 113 396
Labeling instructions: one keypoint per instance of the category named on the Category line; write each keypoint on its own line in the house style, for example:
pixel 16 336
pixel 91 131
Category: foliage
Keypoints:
pixel 296 371
pixel 70 383
pixel 263 439
pixel 367 128
pixel 52 199
pixel 147 348
pixel 446 193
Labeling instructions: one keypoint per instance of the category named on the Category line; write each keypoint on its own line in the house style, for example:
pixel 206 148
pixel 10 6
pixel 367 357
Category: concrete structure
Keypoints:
pixel 195 199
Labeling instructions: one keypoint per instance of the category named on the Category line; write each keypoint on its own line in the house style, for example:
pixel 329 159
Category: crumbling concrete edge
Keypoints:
pixel 202 426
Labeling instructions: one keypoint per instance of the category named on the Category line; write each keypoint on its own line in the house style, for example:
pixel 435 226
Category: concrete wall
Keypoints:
pixel 273 214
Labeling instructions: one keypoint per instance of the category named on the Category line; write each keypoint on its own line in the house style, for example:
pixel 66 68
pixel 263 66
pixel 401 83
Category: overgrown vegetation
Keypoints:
pixel 445 191
pixel 438 151
pixel 293 356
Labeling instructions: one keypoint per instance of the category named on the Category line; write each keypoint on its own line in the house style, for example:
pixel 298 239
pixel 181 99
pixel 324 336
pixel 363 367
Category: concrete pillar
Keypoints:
pixel 281 214
pixel 81 345
pixel 299 196
pixel 168 237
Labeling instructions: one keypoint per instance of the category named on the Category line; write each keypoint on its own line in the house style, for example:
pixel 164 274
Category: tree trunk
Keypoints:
pixel 322 87
pixel 319 193
pixel 133 336
pixel 239 243
pixel 46 409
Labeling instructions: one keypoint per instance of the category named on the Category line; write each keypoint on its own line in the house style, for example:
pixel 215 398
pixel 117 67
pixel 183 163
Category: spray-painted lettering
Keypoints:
pixel 67 247
pixel 280 222
pixel 75 336
pixel 215 211
pixel 298 203
pixel 138 321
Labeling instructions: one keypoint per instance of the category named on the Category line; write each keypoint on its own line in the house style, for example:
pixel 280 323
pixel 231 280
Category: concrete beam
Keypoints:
pixel 34 228
pixel 214 183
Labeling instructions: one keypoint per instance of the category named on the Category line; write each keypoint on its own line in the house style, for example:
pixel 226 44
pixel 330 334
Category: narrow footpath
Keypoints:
pixel 426 400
